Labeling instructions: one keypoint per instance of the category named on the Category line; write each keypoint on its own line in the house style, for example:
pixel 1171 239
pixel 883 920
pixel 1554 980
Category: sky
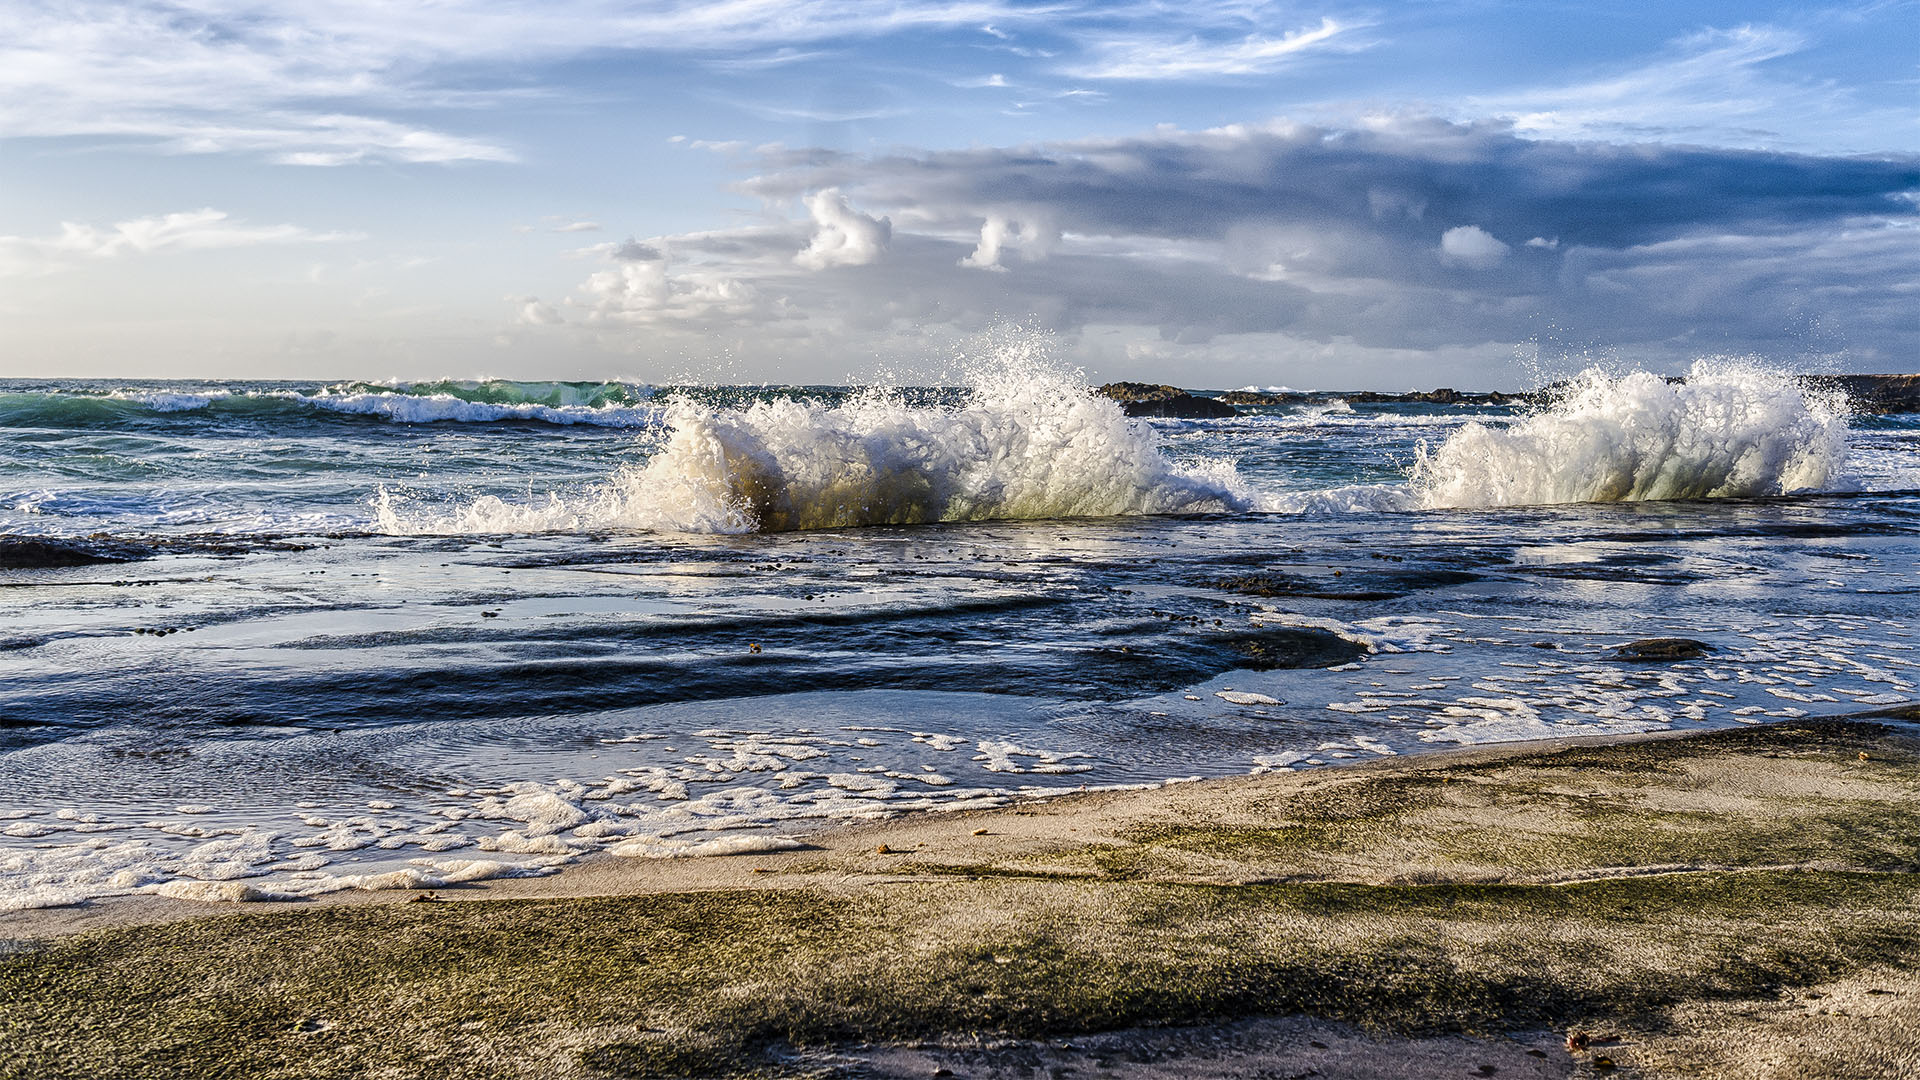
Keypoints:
pixel 1211 193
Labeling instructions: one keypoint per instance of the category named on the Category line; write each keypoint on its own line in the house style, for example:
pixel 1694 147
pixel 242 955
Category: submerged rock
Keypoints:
pixel 1154 399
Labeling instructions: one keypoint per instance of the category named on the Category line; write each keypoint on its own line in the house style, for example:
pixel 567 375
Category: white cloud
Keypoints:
pixel 1472 246
pixel 1034 237
pixel 1191 58
pixel 306 83
pixel 533 312
pixel 188 230
pixel 352 81
pixel 842 236
pixel 645 292
pixel 1717 85
pixel 577 226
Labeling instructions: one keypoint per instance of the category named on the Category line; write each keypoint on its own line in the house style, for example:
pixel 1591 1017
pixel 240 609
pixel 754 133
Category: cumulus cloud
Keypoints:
pixel 1034 237
pixel 842 236
pixel 534 312
pixel 187 230
pixel 1471 246
pixel 647 292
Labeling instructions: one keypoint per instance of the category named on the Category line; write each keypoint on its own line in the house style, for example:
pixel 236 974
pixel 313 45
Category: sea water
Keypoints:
pixel 266 640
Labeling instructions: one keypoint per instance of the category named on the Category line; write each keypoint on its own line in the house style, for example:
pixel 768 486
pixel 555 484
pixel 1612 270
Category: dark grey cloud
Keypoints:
pixel 1413 235
pixel 1412 179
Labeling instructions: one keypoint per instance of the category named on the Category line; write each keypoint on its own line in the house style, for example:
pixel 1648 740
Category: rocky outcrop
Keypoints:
pixel 1255 397
pixel 1867 394
pixel 1156 399
pixel 1445 395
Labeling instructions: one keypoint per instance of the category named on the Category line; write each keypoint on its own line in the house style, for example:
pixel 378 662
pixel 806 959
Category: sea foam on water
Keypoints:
pixel 1728 430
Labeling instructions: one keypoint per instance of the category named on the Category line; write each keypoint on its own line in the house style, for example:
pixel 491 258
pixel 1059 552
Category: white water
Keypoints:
pixel 1031 443
pixel 402 406
pixel 427 408
pixel 1028 444
pixel 1729 431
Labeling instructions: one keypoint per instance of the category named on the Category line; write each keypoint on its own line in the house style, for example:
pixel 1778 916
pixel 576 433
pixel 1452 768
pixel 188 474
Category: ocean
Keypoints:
pixel 266 640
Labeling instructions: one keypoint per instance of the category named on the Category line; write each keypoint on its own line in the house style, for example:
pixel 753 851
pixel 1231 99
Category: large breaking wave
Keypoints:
pixel 1027 442
pixel 1729 430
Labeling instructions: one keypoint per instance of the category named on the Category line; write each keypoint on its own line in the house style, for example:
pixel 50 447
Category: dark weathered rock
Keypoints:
pixel 35 553
pixel 1153 399
pixel 1662 648
pixel 1255 397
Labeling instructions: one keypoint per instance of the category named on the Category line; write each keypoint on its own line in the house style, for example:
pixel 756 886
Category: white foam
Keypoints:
pixel 1729 430
pixel 227 892
pixel 161 401
pixel 737 844
pixel 1030 442
pixel 1246 697
pixel 428 408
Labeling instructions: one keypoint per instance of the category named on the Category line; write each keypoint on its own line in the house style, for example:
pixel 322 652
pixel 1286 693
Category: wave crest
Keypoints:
pixel 1024 444
pixel 1727 431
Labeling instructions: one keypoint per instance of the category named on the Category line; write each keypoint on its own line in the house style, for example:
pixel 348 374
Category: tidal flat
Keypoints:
pixel 1738 903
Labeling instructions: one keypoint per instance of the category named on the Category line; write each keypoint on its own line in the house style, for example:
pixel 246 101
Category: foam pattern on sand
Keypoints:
pixel 737 792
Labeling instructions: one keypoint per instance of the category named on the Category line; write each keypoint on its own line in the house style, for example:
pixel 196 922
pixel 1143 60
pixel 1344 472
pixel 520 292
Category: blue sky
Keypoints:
pixel 1216 194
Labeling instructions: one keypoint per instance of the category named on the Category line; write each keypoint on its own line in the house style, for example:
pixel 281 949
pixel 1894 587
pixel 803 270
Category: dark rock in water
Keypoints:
pixel 1272 648
pixel 1382 585
pixel 1663 648
pixel 1153 399
pixel 1444 395
pixel 37 552
pixel 1255 397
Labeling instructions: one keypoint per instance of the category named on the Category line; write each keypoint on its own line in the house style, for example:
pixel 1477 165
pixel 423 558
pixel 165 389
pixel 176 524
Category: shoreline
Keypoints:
pixel 603 874
pixel 1740 902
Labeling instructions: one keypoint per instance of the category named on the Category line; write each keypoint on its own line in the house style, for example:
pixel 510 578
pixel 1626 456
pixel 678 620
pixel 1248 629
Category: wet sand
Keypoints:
pixel 1737 903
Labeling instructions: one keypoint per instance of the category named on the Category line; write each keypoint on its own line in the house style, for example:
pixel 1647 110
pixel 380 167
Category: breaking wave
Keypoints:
pixel 1022 444
pixel 1728 430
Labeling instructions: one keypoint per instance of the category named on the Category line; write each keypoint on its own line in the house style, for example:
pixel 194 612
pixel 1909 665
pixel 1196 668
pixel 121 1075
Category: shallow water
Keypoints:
pixel 318 638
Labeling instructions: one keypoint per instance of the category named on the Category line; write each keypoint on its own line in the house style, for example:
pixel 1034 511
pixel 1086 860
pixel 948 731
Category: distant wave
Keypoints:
pixel 601 404
pixel 408 408
pixel 1027 442
pixel 1728 431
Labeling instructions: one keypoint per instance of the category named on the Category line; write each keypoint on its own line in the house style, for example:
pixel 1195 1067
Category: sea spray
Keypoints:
pixel 1029 441
pixel 1729 430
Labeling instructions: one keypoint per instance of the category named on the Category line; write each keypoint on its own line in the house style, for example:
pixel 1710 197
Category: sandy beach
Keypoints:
pixel 1734 903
